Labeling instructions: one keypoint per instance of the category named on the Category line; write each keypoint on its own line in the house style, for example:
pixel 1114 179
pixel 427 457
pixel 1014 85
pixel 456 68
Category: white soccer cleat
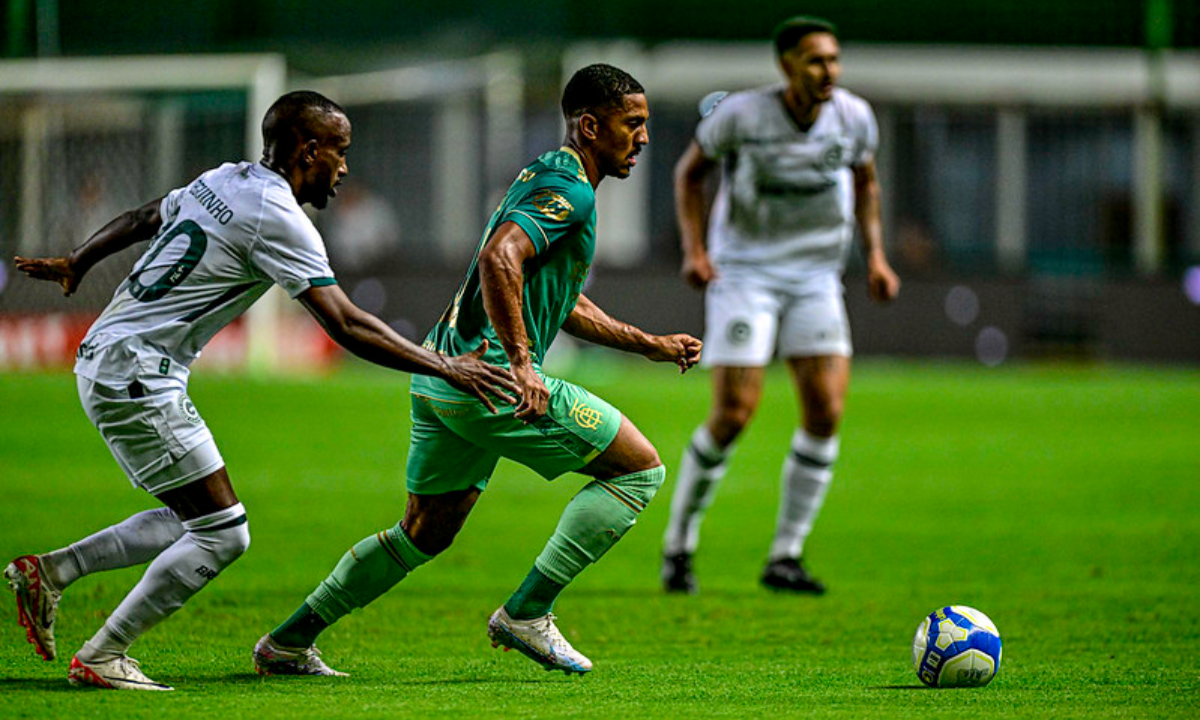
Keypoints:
pixel 37 602
pixel 539 640
pixel 273 659
pixel 122 673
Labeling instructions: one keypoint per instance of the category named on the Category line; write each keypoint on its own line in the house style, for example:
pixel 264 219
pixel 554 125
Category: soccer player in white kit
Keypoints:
pixel 797 170
pixel 218 244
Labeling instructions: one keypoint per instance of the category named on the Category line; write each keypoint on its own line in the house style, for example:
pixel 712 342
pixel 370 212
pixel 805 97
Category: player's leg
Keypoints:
pixel 816 340
pixel 736 394
pixel 626 475
pixel 216 534
pixel 39 580
pixel 374 565
pixel 446 474
pixel 739 341
pixel 162 443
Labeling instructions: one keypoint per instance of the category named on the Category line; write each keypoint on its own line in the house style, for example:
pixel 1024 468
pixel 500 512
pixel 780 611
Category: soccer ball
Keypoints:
pixel 956 646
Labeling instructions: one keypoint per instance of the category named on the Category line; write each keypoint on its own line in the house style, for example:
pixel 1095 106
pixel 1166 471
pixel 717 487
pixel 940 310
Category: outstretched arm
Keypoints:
pixel 588 322
pixel 882 282
pixel 690 173
pixel 502 282
pixel 371 339
pixel 128 228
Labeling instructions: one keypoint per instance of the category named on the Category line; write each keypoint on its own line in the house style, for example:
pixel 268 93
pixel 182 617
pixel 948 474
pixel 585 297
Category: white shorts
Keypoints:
pixel 155 433
pixel 748 323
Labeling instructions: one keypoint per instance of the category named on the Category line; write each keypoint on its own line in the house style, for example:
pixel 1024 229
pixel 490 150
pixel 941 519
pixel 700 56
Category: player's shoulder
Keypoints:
pixel 279 213
pixel 850 104
pixel 561 172
pixel 562 165
pixel 749 102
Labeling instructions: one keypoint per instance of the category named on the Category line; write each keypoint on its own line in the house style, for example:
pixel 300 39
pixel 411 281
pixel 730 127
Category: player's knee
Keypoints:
pixel 823 422
pixel 432 541
pixel 225 535
pixel 728 423
pixel 644 484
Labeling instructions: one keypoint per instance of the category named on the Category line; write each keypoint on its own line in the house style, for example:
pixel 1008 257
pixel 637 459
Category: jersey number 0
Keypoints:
pixel 179 270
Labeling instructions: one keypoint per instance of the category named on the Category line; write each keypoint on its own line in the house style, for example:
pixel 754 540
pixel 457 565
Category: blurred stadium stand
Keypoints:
pixel 1040 166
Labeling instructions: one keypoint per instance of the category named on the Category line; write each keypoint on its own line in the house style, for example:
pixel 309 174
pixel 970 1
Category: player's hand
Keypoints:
pixel 697 270
pixel 55 269
pixel 883 285
pixel 470 374
pixel 680 348
pixel 535 396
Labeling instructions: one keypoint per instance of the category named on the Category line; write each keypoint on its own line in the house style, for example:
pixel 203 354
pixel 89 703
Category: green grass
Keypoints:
pixel 1062 501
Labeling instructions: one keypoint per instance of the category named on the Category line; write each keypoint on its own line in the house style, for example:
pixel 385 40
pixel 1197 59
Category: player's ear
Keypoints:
pixel 308 152
pixel 589 126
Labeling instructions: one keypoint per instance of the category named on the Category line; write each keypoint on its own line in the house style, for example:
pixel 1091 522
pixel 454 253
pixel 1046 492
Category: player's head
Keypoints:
pixel 606 114
pixel 808 53
pixel 306 136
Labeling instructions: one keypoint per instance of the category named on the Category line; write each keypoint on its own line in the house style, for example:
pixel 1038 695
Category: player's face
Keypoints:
pixel 620 135
pixel 813 66
pixel 329 160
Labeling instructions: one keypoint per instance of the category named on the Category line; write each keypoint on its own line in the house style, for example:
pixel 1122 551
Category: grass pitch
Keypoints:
pixel 1062 501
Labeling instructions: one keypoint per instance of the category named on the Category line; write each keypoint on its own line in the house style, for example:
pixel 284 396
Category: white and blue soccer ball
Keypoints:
pixel 956 646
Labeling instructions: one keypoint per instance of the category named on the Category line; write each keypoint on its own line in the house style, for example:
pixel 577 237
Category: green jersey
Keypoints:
pixel 555 204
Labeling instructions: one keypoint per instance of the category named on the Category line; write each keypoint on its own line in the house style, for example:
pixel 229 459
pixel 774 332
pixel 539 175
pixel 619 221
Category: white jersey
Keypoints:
pixel 785 207
pixel 225 239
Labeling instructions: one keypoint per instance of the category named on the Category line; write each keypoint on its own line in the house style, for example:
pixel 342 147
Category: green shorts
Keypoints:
pixel 455 444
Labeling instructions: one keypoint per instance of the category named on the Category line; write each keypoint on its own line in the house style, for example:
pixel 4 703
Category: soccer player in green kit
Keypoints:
pixel 523 285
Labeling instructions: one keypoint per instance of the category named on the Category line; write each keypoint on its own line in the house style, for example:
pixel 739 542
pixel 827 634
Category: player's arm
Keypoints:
pixel 502 283
pixel 882 282
pixel 588 322
pixel 126 229
pixel 371 339
pixel 691 172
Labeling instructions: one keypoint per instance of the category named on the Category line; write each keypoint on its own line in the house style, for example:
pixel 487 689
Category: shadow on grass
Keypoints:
pixel 899 687
pixel 38 685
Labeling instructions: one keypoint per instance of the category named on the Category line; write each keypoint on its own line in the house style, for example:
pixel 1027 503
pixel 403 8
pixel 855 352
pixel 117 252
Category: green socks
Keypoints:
pixel 534 598
pixel 369 569
pixel 595 519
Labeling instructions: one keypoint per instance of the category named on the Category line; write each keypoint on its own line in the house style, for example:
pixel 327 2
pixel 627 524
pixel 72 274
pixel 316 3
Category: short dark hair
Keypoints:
pixel 290 117
pixel 789 32
pixel 597 87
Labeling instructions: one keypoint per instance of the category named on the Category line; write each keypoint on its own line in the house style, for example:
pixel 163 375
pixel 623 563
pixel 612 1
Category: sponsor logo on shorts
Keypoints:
pixel 206 572
pixel 586 417
pixel 188 410
pixel 740 332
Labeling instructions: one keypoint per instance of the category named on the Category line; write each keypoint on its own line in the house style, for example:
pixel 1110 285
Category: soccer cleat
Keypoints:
pixel 677 575
pixel 273 659
pixel 121 673
pixel 37 602
pixel 788 574
pixel 539 640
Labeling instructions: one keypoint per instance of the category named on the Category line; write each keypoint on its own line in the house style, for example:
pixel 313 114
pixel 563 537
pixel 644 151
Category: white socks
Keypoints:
pixel 136 540
pixel 807 472
pixel 209 545
pixel 700 471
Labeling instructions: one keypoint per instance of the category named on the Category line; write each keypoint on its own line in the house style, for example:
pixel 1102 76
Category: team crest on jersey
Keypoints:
pixel 833 157
pixel 587 418
pixel 552 205
pixel 740 332
pixel 188 410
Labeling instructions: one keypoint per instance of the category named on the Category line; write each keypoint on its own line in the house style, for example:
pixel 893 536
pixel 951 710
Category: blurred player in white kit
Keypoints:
pixel 797 171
